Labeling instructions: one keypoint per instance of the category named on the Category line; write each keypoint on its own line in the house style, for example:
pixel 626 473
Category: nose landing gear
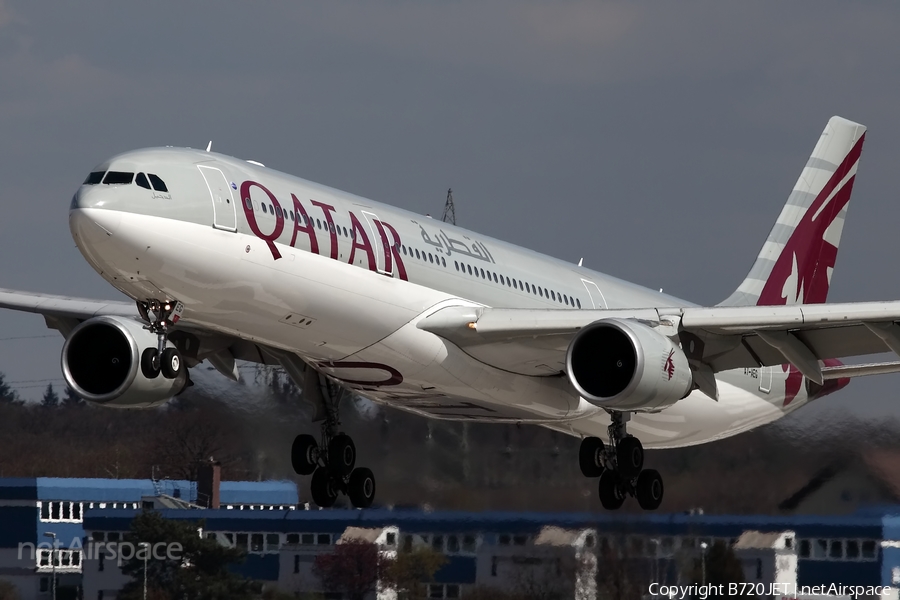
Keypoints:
pixel 620 468
pixel 161 315
pixel 332 462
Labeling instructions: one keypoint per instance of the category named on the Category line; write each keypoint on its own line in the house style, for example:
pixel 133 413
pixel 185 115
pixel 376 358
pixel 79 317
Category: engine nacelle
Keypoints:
pixel 624 365
pixel 101 361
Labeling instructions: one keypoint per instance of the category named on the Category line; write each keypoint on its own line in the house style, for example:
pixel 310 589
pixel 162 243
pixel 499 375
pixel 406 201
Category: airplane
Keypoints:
pixel 225 260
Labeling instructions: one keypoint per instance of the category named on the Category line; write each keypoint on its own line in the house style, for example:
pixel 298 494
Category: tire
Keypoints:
pixel 322 488
pixel 304 454
pixel 650 489
pixel 361 488
pixel 171 363
pixel 611 495
pixel 341 455
pixel 629 457
pixel 149 369
pixel 590 457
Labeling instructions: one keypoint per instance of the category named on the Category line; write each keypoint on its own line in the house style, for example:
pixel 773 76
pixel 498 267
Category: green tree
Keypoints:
pixel 51 398
pixel 411 571
pixel 8 591
pixel 7 394
pixel 352 569
pixel 196 568
pixel 721 566
pixel 70 398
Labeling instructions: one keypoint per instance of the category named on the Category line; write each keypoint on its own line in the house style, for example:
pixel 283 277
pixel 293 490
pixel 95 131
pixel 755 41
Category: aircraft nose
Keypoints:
pixel 91 213
pixel 88 197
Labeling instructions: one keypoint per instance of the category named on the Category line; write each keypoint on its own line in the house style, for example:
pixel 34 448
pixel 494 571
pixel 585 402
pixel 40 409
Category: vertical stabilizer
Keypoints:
pixel 797 260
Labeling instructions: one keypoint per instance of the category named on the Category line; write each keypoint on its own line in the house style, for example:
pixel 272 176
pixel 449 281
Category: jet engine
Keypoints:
pixel 624 365
pixel 101 361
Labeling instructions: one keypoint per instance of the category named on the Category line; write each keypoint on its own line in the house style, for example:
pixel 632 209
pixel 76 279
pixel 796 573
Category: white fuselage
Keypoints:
pixel 344 286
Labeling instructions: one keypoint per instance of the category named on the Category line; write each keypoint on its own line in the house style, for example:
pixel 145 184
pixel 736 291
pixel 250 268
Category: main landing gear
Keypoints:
pixel 620 467
pixel 332 462
pixel 161 316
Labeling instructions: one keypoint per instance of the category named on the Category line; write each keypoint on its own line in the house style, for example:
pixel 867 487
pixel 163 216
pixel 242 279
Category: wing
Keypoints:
pixel 61 312
pixel 65 313
pixel 534 342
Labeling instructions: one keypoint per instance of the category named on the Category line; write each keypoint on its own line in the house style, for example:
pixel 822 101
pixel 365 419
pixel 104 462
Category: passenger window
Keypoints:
pixel 345 232
pixel 541 292
pixel 443 262
pixel 482 273
pixel 579 302
pixel 118 178
pixel 265 210
pixel 495 278
pixel 248 204
pixel 94 178
pixel 553 294
pixel 141 180
pixel 515 287
pixel 292 215
pixel 469 267
pixel 417 253
pixel 430 257
pixel 456 264
pixel 272 209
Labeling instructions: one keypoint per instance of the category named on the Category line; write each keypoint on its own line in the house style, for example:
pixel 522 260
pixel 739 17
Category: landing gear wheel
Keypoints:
pixel 361 488
pixel 323 489
pixel 304 454
pixel 611 494
pixel 590 457
pixel 341 455
pixel 629 457
pixel 171 364
pixel 149 364
pixel 650 489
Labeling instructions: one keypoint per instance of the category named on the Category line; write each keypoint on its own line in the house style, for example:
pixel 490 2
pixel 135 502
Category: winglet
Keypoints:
pixel 797 260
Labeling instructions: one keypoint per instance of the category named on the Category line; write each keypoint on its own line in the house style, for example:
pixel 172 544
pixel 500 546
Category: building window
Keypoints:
pixel 868 550
pixel 293 538
pixel 323 539
pixel 804 549
pixel 504 540
pixel 390 539
pixel 837 549
pixel 469 543
pixel 308 538
pixel 853 549
pixel 273 541
pixel 437 543
pixel 256 542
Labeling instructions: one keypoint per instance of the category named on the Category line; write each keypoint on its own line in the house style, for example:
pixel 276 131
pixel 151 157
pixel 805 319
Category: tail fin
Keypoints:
pixel 796 262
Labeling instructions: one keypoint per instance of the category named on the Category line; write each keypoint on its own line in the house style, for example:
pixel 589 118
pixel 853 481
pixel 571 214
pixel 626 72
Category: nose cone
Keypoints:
pixel 90 219
pixel 89 196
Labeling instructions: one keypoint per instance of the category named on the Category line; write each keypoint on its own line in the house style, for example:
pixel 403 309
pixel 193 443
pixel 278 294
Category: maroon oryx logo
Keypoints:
pixel 669 365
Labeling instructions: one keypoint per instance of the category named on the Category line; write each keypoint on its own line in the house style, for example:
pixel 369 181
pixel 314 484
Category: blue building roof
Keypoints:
pixel 335 521
pixel 131 490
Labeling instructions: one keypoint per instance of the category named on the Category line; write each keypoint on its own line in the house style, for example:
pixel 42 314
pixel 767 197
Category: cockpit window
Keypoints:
pixel 141 180
pixel 158 184
pixel 118 177
pixel 94 178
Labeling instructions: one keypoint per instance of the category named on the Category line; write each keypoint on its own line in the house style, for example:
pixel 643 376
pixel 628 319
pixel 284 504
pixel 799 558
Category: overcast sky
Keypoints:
pixel 657 141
